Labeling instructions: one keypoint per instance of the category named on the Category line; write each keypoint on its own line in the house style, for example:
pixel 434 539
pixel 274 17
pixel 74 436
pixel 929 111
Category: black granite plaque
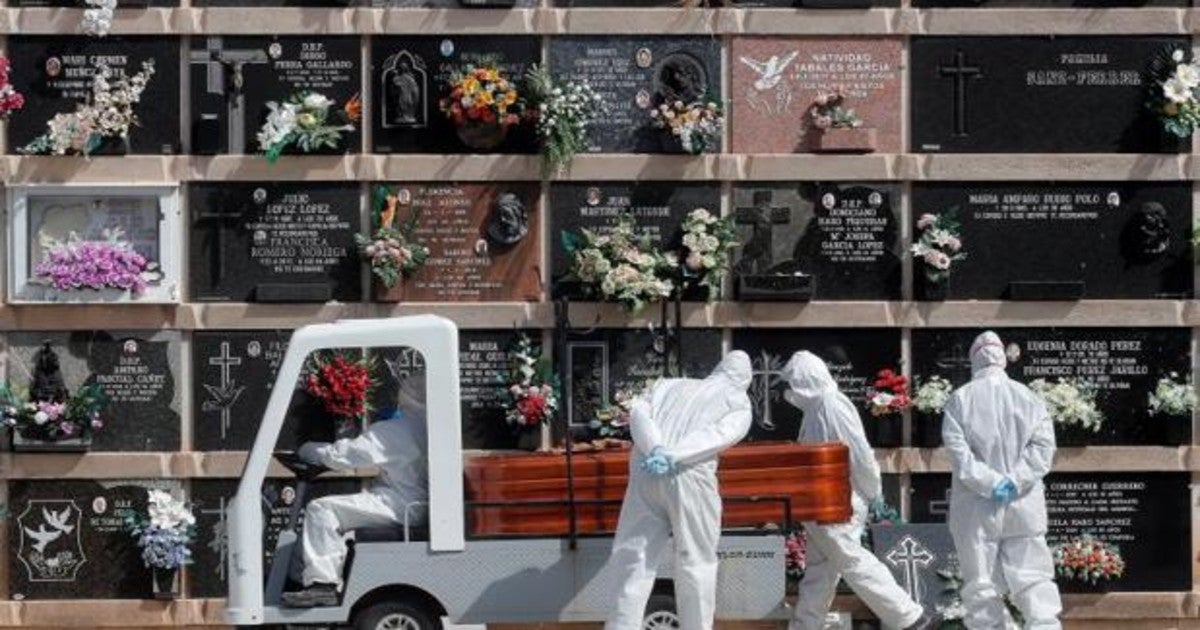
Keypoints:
pixel 1146 514
pixel 139 371
pixel 412 74
pixel 274 242
pixel 1058 4
pixel 854 358
pixel 68 540
pixel 817 241
pixel 233 79
pixel 54 73
pixel 633 75
pixel 1115 240
pixel 451 4
pixel 1026 94
pixel 915 554
pixel 1124 363
pixel 605 362
pixel 658 207
pixel 74 4
pixel 207 576
pixel 275 3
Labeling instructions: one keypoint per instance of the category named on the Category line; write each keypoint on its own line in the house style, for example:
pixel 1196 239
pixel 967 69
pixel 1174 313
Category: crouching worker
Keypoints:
pixel 398 496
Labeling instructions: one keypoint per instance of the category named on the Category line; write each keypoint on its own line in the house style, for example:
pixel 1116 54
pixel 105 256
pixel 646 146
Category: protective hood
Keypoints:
pixel 808 376
pixel 735 368
pixel 987 351
pixel 410 394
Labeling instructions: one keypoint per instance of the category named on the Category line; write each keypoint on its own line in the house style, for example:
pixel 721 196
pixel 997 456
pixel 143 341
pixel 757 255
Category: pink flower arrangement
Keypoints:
pixel 77 416
pixel 796 549
pixel 105 264
pixel 10 99
pixel 828 111
pixel 529 393
pixel 939 245
pixel 1088 559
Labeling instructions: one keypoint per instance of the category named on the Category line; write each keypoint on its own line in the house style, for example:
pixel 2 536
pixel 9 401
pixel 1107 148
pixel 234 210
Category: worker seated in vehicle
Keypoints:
pixel 398 496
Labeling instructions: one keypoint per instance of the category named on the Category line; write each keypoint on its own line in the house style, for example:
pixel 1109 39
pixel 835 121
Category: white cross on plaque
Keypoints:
pixel 910 556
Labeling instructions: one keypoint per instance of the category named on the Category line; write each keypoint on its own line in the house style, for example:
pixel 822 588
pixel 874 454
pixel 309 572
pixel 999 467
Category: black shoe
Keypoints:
pixel 316 595
pixel 927 621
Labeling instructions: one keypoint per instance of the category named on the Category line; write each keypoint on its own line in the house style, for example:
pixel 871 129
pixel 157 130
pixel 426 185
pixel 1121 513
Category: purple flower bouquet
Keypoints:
pixel 110 263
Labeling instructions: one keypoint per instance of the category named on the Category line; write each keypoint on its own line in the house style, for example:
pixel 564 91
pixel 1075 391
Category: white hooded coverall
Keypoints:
pixel 692 421
pixel 836 551
pixel 993 428
pixel 401 491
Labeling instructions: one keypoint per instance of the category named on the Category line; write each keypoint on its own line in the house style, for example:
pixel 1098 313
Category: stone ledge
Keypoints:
pixel 256 168
pixel 789 167
pixel 651 21
pixel 464 21
pixel 66 21
pixel 644 167
pixel 282 21
pixel 143 169
pixel 416 167
pixel 819 22
pixel 1113 21
pixel 1018 314
pixel 1046 166
pixel 1067 459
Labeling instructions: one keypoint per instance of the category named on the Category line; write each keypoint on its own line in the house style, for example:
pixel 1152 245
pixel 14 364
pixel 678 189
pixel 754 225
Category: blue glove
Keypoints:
pixel 1005 491
pixel 657 463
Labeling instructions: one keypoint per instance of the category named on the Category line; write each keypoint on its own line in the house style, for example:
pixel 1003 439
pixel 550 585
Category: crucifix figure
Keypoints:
pixel 960 72
pixel 225 76
pixel 910 556
pixel 767 372
pixel 956 363
pixel 758 252
pixel 227 393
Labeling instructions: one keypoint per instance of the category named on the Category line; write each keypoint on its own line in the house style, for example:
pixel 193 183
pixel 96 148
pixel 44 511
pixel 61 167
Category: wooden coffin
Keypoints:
pixel 815 478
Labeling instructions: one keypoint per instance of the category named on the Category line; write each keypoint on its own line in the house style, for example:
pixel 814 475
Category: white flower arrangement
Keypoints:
pixel 1070 402
pixel 697 125
pixel 564 113
pixel 707 241
pixel 98 17
pixel 108 113
pixel 306 120
pixel 932 395
pixel 1174 94
pixel 619 266
pixel 939 246
pixel 1171 397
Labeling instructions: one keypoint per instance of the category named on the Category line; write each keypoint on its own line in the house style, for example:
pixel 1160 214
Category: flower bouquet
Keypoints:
pixel 938 247
pixel 564 113
pixel 98 17
pixel 482 105
pixel 1071 404
pixel 165 534
pixel 929 400
pixel 795 547
pixel 707 242
pixel 838 128
pixel 343 385
pixel 107 113
pixel 887 398
pixel 110 263
pixel 619 266
pixel 1088 559
pixel 10 99
pixel 529 392
pixel 696 126
pixel 391 251
pixel 1174 399
pixel 63 425
pixel 610 424
pixel 1173 95
pixel 307 121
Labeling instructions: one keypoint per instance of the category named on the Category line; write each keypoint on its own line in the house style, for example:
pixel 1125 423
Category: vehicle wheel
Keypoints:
pixel 660 613
pixel 397 615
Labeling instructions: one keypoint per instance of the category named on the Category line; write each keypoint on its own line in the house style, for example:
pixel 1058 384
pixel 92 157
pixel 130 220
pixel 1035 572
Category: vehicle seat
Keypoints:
pixel 390 533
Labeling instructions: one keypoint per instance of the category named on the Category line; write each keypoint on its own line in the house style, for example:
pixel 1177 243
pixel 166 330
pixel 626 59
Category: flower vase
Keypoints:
pixel 1177 430
pixel 530 439
pixel 380 292
pixel 483 137
pixel 845 140
pixel 886 431
pixel 166 583
pixel 23 443
pixel 927 430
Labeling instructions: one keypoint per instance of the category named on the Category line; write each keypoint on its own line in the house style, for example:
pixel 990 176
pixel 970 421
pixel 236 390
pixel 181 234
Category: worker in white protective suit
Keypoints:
pixel 1001 444
pixel 679 427
pixel 836 551
pixel 398 496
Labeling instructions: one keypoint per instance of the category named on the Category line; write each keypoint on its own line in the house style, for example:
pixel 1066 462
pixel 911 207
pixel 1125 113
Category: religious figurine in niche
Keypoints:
pixel 681 77
pixel 48 385
pixel 1147 235
pixel 509 222
pixel 405 86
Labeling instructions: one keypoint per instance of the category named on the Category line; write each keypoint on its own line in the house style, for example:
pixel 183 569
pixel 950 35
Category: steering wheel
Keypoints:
pixel 303 470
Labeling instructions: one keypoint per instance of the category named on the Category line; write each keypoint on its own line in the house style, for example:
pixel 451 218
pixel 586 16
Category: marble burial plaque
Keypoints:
pixel 208 575
pixel 915 553
pixel 412 74
pixel 603 362
pixel 1146 514
pixel 854 358
pixel 776 79
pixel 633 75
pixel 275 3
pixel 463 4
pixel 1063 4
pixel 483 241
pixel 1123 363
pixel 274 242
pixel 54 73
pixel 1113 240
pixel 844 237
pixel 233 78
pixel 1026 94
pixel 659 208
pixel 67 539
pixel 139 371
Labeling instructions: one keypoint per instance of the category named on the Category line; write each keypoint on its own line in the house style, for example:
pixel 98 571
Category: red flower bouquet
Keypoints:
pixel 342 384
pixel 888 394
pixel 529 392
